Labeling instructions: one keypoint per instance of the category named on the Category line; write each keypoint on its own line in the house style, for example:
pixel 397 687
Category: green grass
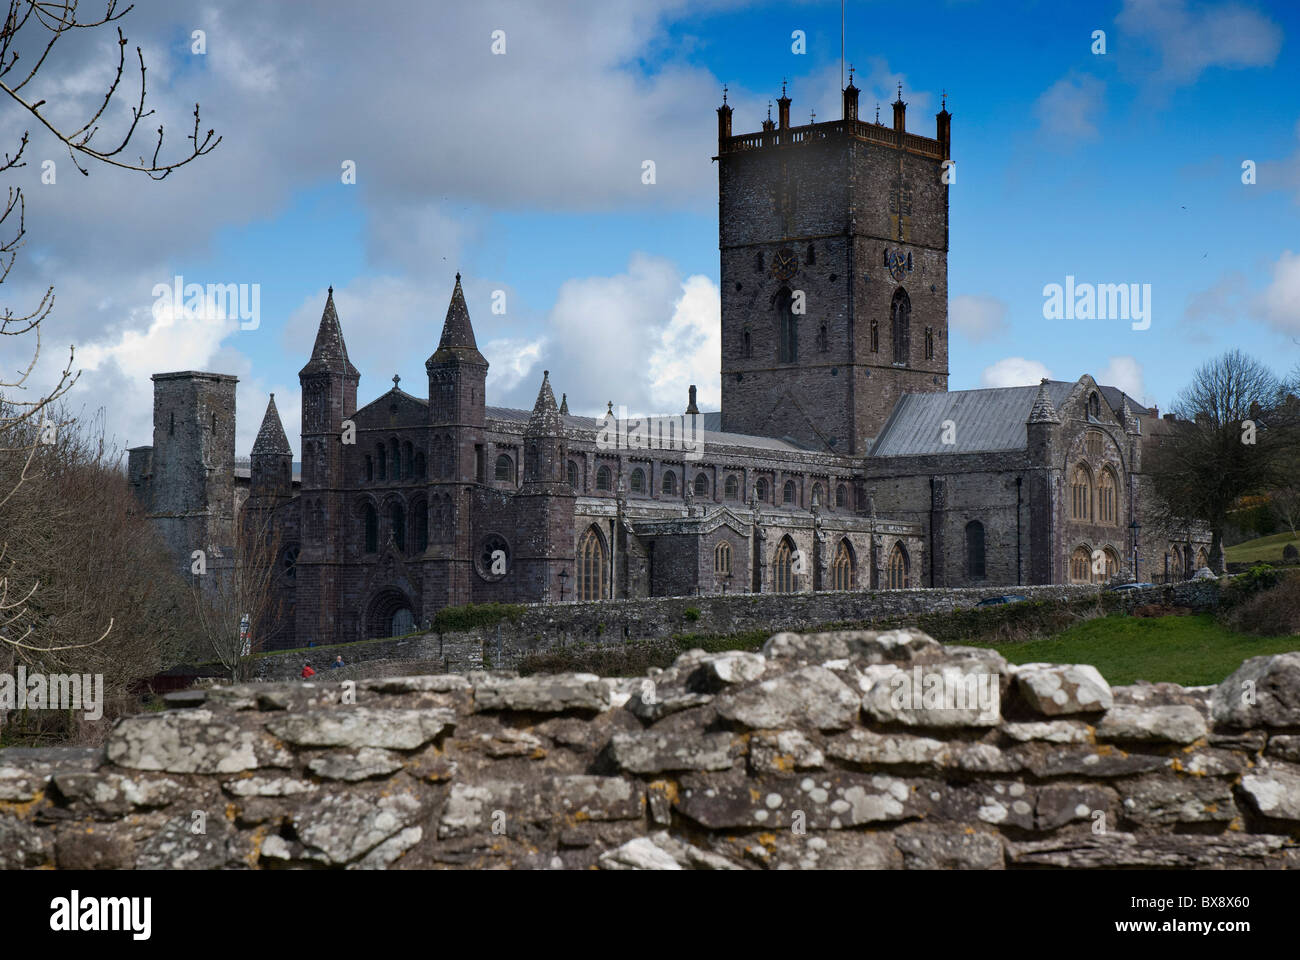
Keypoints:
pixel 1261 549
pixel 1192 651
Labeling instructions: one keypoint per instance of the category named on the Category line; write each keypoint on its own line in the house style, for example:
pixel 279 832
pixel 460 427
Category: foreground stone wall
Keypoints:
pixel 545 626
pixel 824 751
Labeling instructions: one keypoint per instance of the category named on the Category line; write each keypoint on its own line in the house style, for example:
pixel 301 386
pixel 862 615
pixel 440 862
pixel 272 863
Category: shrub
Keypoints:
pixel 1272 612
pixel 1289 552
pixel 692 613
pixel 473 615
pixel 1257 579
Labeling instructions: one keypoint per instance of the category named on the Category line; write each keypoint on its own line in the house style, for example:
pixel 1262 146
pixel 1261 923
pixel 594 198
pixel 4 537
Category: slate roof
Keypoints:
pixel 271 437
pixel 711 436
pixel 986 420
pixel 329 351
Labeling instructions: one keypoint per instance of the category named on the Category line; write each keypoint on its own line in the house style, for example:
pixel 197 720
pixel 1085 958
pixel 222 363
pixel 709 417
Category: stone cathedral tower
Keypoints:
pixel 834 250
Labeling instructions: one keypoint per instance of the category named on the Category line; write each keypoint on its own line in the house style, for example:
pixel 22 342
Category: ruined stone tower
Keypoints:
pixel 834 268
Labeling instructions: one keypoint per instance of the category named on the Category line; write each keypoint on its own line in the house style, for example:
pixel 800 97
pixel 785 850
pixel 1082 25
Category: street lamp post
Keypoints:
pixel 1137 529
pixel 564 578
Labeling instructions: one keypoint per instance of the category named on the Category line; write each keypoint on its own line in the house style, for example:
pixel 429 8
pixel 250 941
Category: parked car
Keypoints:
pixel 1130 585
pixel 998 601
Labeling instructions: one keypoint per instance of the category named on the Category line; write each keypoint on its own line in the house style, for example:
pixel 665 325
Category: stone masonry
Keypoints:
pixel 836 750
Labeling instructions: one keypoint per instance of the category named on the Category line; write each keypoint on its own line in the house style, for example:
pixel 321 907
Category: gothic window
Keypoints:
pixel 897 569
pixel 929 343
pixel 1112 564
pixel 1081 494
pixel 572 469
pixel 1106 498
pixel 701 485
pixel 372 528
pixel 788 334
pixel 823 342
pixel 1081 565
pixel 747 345
pixel 760 489
pixel 841 496
pixel 782 567
pixel 900 317
pixel 505 469
pixel 812 255
pixel 788 492
pixel 731 488
pixel 603 478
pixel 370 467
pixel 818 497
pixel 638 481
pixel 722 559
pixel 1094 406
pixel 591 566
pixel 420 510
pixel 382 456
pixel 1093 442
pixel 289 564
pixel 875 335
pixel 670 482
pixel 842 567
pixel 975 550
pixel 419 465
pixel 397 518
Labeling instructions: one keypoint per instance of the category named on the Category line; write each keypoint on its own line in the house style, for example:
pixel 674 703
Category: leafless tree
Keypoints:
pixel 1233 437
pixel 28 35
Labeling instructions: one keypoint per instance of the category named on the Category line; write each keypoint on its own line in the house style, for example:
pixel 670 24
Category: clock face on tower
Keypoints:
pixel 785 264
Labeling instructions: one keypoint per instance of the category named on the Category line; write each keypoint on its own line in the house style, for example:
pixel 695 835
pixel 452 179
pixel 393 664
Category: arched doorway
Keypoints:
pixel 391 614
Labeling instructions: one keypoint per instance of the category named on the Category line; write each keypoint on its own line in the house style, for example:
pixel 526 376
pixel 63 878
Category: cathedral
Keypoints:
pixel 839 459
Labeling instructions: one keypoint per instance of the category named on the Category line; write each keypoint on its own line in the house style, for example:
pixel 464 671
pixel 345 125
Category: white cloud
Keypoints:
pixel 1126 373
pixel 1279 304
pixel 1192 40
pixel 1068 109
pixel 690 350
pixel 1014 372
pixel 978 317
pixel 510 362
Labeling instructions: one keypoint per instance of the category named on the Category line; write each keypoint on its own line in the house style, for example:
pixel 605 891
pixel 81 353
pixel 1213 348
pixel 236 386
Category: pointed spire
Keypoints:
pixel 330 352
pixel 545 420
pixel 457 331
pixel 564 405
pixel 271 438
pixel 1042 410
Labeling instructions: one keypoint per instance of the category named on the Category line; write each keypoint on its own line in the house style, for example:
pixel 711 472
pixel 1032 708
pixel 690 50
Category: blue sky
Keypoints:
pixel 523 172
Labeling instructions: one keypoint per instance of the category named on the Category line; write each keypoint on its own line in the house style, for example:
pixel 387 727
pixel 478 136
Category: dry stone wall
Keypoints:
pixel 835 750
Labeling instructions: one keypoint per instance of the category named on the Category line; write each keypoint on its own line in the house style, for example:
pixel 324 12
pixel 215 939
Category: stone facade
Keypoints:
pixel 829 466
pixel 825 751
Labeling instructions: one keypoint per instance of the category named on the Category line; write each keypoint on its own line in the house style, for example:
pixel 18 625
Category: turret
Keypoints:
pixel 783 109
pixel 724 120
pixel 850 99
pixel 457 379
pixel 900 113
pixel 272 460
pixel 329 396
pixel 943 127
pixel 544 446
pixel 1040 427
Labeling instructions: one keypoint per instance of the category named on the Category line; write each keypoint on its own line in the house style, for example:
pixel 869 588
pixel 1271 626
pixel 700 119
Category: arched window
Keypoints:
pixel 372 528
pixel 841 496
pixel 782 567
pixel 897 569
pixel 637 483
pixel 701 485
pixel 505 468
pixel 1202 558
pixel 787 331
pixel 1081 565
pixel 1081 494
pixel 1094 406
pixel 722 558
pixel 875 335
pixel 669 482
pixel 731 488
pixel 1112 564
pixel 383 461
pixel 1093 443
pixel 410 460
pixel 591 566
pixel 760 489
pixel 572 469
pixel 811 258
pixel 746 343
pixel 397 516
pixel 929 343
pixel 370 467
pixel 823 341
pixel 420 513
pixel 975 550
pixel 1174 563
pixel 603 478
pixel 788 492
pixel 900 318
pixel 1106 498
pixel 419 465
pixel 817 496
pixel 397 460
pixel 842 567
